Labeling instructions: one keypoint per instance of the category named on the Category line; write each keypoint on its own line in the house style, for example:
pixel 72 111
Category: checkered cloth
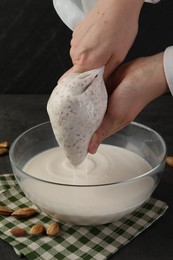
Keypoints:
pixel 73 242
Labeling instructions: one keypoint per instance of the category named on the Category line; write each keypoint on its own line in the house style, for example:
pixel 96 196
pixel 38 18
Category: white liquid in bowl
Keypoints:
pixel 88 205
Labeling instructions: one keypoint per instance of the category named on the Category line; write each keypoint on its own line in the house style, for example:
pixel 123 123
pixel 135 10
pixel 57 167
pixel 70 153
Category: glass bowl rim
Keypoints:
pixel 152 171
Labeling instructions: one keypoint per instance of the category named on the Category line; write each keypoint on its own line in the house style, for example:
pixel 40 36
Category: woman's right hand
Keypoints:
pixel 105 35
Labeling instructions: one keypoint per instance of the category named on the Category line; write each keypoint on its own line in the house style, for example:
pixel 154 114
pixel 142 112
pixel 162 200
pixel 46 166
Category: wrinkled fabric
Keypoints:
pixel 76 108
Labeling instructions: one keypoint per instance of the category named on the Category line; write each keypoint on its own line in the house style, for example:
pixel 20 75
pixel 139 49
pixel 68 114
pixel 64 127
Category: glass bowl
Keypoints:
pixel 89 204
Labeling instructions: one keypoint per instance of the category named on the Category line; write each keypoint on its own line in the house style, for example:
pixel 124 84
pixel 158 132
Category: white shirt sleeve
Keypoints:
pixel 72 12
pixel 152 1
pixel 168 67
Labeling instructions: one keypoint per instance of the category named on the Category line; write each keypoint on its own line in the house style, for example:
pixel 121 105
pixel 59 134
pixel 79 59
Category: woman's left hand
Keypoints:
pixel 131 88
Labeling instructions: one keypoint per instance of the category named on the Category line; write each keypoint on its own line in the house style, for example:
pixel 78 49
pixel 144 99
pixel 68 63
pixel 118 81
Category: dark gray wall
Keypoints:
pixel 34 42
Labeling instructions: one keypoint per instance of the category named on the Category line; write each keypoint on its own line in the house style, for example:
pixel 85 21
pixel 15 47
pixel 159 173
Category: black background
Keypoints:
pixel 35 43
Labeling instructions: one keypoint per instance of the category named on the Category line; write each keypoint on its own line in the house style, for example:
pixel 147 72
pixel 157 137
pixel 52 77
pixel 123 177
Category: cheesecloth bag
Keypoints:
pixel 76 108
pixel 78 103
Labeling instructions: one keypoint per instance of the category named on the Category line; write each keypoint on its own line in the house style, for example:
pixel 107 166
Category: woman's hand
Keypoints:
pixel 131 88
pixel 105 35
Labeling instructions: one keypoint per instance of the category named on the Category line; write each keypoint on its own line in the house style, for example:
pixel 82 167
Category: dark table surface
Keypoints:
pixel 20 112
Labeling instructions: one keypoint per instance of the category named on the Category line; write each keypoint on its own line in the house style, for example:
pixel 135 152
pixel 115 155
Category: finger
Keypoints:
pixel 110 67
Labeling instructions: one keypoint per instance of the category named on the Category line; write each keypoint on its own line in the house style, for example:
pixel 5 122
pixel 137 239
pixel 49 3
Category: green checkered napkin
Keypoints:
pixel 73 242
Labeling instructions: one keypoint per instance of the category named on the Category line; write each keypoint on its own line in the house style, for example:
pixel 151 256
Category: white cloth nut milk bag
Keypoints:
pixel 76 108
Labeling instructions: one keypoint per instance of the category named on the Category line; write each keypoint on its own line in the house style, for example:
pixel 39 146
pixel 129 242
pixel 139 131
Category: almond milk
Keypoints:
pixel 87 204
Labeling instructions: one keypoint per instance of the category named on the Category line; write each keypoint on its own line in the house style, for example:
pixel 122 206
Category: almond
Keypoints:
pixel 4 211
pixel 4 144
pixel 37 230
pixel 24 213
pixel 169 161
pixel 52 230
pixel 3 150
pixel 18 232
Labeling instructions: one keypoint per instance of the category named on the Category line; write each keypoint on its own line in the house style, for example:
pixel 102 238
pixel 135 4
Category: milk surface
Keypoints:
pixel 110 164
pixel 88 205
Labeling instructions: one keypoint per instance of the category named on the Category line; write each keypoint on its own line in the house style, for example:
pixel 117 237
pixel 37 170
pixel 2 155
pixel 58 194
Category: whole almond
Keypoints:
pixel 169 161
pixel 3 150
pixel 4 144
pixel 52 230
pixel 4 211
pixel 18 232
pixel 37 230
pixel 24 213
